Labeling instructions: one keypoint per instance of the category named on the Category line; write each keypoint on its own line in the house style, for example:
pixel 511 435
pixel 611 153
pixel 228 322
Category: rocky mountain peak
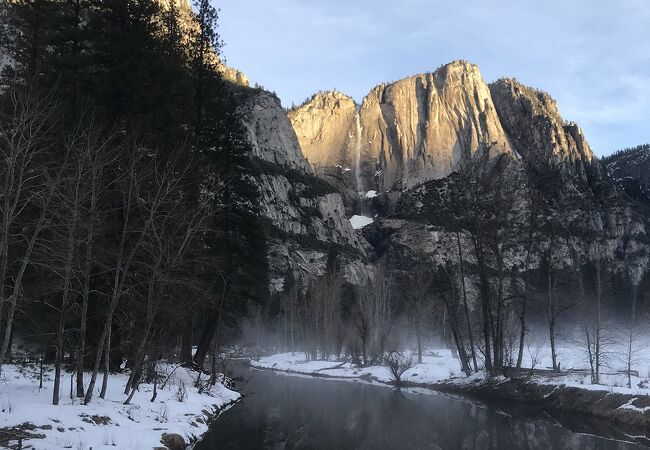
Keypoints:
pixel 422 127
pixel 324 128
pixel 412 130
pixel 425 126
pixel 533 122
pixel 457 72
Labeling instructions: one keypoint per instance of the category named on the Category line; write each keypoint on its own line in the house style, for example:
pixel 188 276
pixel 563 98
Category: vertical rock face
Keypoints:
pixel 533 123
pixel 270 133
pixel 410 131
pixel 305 216
pixel 423 127
pixel 325 129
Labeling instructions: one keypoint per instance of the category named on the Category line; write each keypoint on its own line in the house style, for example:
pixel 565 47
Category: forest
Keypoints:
pixel 128 226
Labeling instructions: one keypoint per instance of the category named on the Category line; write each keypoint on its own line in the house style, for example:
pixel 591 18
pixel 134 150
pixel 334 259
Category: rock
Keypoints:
pixel 630 169
pixel 307 216
pixel 269 131
pixel 173 441
pixel 325 129
pixel 423 127
pixel 95 419
pixel 534 125
pixel 412 130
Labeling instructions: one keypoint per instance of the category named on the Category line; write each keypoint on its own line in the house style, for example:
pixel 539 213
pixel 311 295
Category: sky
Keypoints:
pixel 592 56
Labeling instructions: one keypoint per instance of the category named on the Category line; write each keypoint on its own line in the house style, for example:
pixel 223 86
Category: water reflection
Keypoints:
pixel 289 412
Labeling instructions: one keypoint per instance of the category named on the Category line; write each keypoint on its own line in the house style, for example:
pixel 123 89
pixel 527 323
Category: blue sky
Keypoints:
pixel 592 56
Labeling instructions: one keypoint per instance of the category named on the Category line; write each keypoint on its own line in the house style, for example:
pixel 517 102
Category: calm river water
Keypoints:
pixel 292 412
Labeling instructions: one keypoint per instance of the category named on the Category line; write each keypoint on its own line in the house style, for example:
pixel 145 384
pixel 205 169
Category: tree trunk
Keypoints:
pixel 419 338
pixel 13 299
pixel 462 353
pixel 186 341
pixel 107 365
pixel 485 310
pixel 98 359
pixel 58 360
pixel 551 316
pixel 81 346
pixel 470 332
pixel 205 341
pixel 551 329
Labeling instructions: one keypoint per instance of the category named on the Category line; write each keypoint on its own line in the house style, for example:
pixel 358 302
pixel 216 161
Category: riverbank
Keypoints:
pixel 569 393
pixel 179 411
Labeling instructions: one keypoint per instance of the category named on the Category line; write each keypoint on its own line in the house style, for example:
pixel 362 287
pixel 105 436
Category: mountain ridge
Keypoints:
pixel 427 125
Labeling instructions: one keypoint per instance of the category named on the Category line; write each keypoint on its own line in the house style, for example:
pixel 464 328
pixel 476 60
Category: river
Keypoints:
pixel 281 411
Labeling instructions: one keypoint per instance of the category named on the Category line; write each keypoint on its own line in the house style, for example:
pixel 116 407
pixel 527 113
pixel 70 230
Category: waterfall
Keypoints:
pixel 357 165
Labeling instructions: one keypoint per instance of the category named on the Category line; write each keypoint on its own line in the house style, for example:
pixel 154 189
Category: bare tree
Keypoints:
pixel 322 314
pixel 556 304
pixel 66 214
pixel 98 155
pixel 466 311
pixel 172 234
pixel 289 302
pixel 398 363
pixel 597 339
pixel 420 280
pixel 371 315
pixel 534 346
pixel 26 135
pixel 634 335
pixel 447 291
pixel 138 208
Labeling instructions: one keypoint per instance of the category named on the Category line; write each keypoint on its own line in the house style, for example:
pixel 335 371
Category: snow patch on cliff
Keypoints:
pixel 359 222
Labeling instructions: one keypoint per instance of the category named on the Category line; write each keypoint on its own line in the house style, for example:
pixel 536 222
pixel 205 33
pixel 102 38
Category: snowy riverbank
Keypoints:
pixel 436 365
pixel 568 392
pixel 179 409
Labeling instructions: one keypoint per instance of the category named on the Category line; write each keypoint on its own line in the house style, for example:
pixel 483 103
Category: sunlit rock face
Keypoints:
pixel 409 131
pixel 404 144
pixel 423 127
pixel 324 127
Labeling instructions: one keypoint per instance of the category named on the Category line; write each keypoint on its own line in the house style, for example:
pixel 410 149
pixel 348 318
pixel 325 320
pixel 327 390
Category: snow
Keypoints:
pixel 139 425
pixel 371 194
pixel 629 405
pixel 436 366
pixel 439 365
pixel 359 222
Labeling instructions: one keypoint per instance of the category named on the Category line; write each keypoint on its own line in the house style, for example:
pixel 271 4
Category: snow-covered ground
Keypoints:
pixel 178 409
pixel 440 365
pixel 436 365
pixel 359 222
